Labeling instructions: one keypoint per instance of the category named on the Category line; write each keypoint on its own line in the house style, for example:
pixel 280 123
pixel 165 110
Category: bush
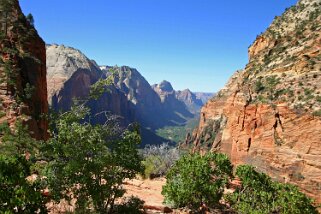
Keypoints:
pixel 131 205
pixel 18 195
pixel 30 19
pixel 259 194
pixel 195 180
pixel 259 86
pixel 158 159
pixel 17 161
pixel 90 161
pixel 317 113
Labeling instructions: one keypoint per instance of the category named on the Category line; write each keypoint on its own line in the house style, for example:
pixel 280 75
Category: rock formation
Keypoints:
pixel 23 89
pixel 70 74
pixel 185 99
pixel 190 99
pixel 268 115
pixel 204 96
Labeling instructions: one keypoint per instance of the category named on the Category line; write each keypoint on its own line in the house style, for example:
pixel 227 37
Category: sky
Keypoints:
pixel 195 44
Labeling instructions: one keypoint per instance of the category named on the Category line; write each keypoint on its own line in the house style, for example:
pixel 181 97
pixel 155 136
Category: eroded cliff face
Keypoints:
pixel 269 114
pixel 70 75
pixel 23 89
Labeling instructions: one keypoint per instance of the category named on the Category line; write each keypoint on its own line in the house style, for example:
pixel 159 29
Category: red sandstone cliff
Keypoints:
pixel 23 90
pixel 269 114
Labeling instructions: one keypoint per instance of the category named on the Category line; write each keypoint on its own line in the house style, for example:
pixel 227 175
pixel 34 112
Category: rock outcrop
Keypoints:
pixel 23 89
pixel 185 100
pixel 204 96
pixel 70 75
pixel 190 99
pixel 269 114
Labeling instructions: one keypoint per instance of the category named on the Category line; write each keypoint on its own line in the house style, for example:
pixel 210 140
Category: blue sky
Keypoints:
pixel 196 44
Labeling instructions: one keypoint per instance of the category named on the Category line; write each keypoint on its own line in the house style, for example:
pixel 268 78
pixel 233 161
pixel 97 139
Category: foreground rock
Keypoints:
pixel 268 115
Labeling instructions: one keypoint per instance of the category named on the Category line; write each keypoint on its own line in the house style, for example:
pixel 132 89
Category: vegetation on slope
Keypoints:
pixel 198 181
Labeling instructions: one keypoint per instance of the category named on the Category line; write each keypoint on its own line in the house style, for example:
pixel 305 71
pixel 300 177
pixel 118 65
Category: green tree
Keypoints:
pixel 30 19
pixel 259 194
pixel 90 161
pixel 195 180
pixel 17 162
pixel 17 194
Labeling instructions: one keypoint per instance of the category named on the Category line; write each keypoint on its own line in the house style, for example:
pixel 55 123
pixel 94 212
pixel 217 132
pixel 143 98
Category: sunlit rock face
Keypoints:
pixel 269 114
pixel 70 75
pixel 23 89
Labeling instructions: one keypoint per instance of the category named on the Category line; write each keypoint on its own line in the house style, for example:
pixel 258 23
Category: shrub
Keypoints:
pixel 195 180
pixel 90 161
pixel 259 194
pixel 259 86
pixel 317 113
pixel 17 161
pixel 17 194
pixel 158 159
pixel 30 19
pixel 131 205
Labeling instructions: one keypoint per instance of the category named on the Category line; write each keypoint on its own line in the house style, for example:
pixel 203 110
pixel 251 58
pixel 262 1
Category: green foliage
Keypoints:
pixel 2 113
pixel 259 86
pixel 266 89
pixel 29 90
pixel 132 205
pixel 177 134
pixel 101 86
pixel 17 142
pixel 90 161
pixel 317 113
pixel 197 179
pixel 17 161
pixel 152 164
pixel 158 159
pixel 30 19
pixel 17 195
pixel 259 194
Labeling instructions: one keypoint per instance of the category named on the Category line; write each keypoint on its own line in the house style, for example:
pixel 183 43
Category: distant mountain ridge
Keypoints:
pixel 70 75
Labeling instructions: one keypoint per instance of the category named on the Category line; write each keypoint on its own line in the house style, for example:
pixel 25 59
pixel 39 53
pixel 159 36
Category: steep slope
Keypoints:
pixel 174 107
pixel 190 99
pixel 203 96
pixel 70 75
pixel 193 101
pixel 140 94
pixel 23 89
pixel 182 105
pixel 268 115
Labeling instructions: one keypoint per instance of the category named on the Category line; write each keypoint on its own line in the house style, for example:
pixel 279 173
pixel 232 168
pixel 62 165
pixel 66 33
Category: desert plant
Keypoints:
pixel 195 180
pixel 17 194
pixel 158 159
pixel 132 205
pixel 17 161
pixel 30 19
pixel 259 194
pixel 90 161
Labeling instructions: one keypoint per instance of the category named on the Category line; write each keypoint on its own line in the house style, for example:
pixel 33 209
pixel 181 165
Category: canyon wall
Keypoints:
pixel 23 87
pixel 269 114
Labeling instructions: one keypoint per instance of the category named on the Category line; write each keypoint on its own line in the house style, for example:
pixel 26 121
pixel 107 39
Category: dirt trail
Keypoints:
pixel 148 191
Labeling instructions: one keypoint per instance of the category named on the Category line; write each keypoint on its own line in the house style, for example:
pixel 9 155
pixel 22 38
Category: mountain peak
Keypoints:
pixel 165 86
